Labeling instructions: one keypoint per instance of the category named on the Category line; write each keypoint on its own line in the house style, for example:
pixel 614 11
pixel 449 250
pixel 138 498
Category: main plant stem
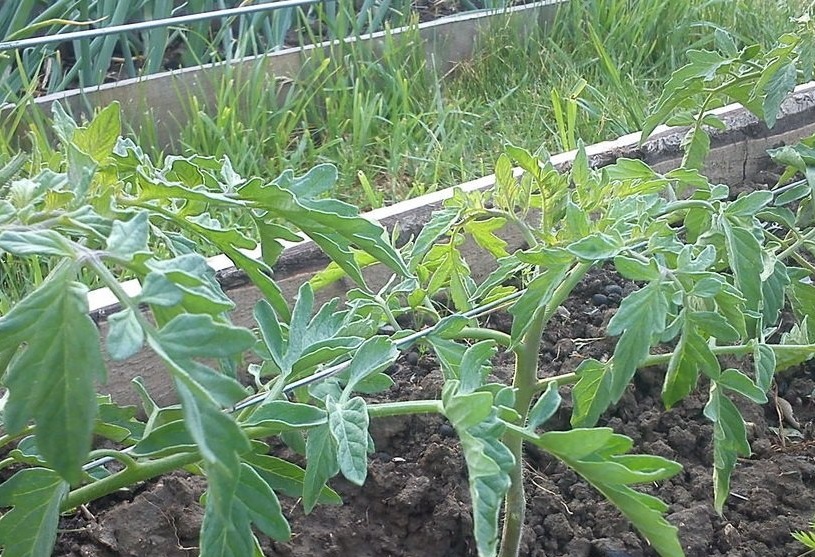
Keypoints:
pixel 526 387
pixel 526 367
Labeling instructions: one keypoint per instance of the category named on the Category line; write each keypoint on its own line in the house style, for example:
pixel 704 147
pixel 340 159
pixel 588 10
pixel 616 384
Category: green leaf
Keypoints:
pixel 789 356
pixel 747 205
pixel 544 408
pixel 738 382
pixel 271 332
pixel 196 279
pixel 489 463
pixel 640 319
pixel 474 365
pixel 696 145
pixel 125 335
pixel 773 291
pixel 680 88
pixel 261 503
pixel 483 232
pixel 321 458
pixel 129 237
pixel 744 256
pixel 715 325
pixel 30 527
pixel 158 290
pixel 596 247
pixel 165 439
pixel 286 415
pixel 219 438
pixel 731 305
pixel 591 392
pixel 449 352
pixel 595 455
pixel 537 295
pixel 286 477
pixel 729 442
pixel 438 225
pixel 52 378
pixel 691 355
pixel 776 90
pixel 634 269
pixel 348 421
pixel 802 299
pixel 375 355
pixel 226 529
pixel 764 365
pixel 200 336
pixel 98 138
pixel 36 242
pixel 335 226
pixel 465 410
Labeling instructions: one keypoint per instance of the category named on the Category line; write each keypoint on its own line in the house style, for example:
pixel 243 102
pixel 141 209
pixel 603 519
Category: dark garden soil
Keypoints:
pixel 415 501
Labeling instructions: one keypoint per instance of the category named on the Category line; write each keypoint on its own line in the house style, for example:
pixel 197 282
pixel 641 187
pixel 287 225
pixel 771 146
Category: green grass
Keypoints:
pixel 396 130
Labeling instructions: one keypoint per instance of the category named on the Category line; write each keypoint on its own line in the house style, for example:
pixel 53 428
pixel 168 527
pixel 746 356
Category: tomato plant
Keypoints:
pixel 713 273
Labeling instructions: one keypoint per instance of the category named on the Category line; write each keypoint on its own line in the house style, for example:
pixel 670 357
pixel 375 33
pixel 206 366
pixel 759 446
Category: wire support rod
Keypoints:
pixel 153 24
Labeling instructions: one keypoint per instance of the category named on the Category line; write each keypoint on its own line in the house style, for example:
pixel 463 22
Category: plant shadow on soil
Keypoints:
pixel 416 503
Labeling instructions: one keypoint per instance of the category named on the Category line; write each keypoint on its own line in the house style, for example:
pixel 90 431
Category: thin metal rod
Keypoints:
pixel 144 25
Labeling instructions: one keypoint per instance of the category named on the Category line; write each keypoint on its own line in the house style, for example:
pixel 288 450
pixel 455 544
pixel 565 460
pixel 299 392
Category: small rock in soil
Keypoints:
pixel 599 299
pixel 446 430
pixel 412 358
pixel 613 290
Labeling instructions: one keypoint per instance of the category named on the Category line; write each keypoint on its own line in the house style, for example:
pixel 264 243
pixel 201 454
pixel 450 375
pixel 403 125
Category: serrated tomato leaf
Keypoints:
pixel 591 393
pixel 537 295
pixel 595 454
pixel 288 478
pixel 236 498
pixel 545 407
pixel 52 379
pixel 729 442
pixel 35 242
pixel 321 465
pixel 348 422
pixel 640 319
pixel 200 336
pixel 125 335
pixel 29 527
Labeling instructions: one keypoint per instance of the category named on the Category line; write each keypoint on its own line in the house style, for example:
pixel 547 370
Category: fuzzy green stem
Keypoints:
pixel 478 333
pixel 809 236
pixel 526 384
pixel 127 477
pixel 526 368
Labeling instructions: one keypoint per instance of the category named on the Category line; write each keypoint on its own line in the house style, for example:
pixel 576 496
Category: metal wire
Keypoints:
pixel 164 22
